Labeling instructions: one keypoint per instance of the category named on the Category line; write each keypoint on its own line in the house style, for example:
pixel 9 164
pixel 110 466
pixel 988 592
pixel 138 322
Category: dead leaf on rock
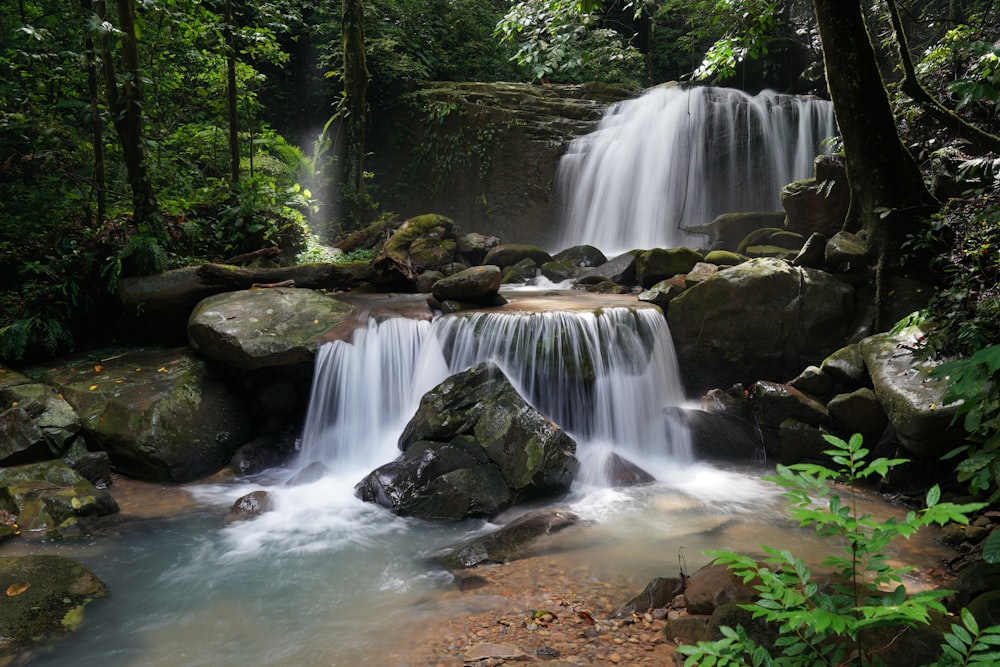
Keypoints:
pixel 16 589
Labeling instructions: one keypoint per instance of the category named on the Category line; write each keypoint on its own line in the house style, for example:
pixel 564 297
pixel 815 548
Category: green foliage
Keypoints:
pixel 829 625
pixel 968 646
pixel 556 40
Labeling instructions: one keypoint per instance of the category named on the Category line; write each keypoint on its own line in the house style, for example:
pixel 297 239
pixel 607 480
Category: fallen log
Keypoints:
pixel 182 289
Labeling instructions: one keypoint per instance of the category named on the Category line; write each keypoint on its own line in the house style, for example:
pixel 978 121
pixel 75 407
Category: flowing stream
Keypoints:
pixel 326 579
pixel 678 157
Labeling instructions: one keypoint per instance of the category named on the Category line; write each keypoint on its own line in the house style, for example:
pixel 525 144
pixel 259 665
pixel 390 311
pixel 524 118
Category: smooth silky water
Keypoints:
pixel 325 579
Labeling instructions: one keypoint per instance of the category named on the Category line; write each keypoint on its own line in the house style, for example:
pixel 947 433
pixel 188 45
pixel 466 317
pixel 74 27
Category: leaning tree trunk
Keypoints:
pixel 356 90
pixel 887 189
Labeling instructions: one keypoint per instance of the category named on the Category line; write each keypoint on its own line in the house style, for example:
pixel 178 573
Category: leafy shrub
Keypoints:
pixel 830 625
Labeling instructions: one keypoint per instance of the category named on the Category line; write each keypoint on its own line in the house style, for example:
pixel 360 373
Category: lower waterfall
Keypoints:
pixel 604 375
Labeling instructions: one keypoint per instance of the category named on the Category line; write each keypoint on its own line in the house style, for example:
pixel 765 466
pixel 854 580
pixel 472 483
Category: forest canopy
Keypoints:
pixel 139 136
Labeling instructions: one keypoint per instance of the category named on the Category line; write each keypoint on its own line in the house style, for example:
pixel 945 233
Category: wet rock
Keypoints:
pixel 799 442
pixel 45 599
pixel 252 504
pixel 51 498
pixel 509 542
pixel 620 270
pixel 773 403
pixel 762 319
pixel 252 329
pixel 713 586
pixel 581 256
pixel 621 472
pixel 607 287
pixel 663 292
pixel 847 252
pixel 95 467
pixel 859 412
pixel 473 247
pixel 36 423
pixel 423 243
pixel 727 230
pixel 558 272
pixel 724 258
pixel 426 280
pixel 817 204
pixel 699 273
pixel 161 415
pixel 846 366
pixel 688 629
pixel 652 266
pixel 813 252
pixel 658 593
pixel 723 436
pixel 509 254
pixel 267 450
pixel 473 447
pixel 813 380
pixel 912 400
pixel 479 284
pixel 521 272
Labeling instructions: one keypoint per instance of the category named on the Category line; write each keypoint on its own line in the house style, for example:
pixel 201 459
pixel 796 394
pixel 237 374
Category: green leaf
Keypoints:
pixel 991 548
pixel 933 495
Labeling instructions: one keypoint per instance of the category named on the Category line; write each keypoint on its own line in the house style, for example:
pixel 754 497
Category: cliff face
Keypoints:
pixel 483 154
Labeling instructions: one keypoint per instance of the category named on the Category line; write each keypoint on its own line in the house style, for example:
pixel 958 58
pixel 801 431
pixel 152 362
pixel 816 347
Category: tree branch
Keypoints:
pixel 911 86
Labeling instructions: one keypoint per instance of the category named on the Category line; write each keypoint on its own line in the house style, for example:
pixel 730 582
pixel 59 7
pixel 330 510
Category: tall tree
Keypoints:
pixel 356 106
pixel 125 100
pixel 887 188
pixel 96 126
pixel 232 98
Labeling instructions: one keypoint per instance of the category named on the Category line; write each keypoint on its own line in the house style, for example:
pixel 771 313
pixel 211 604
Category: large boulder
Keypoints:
pixel 480 284
pixel 52 498
pixel 477 447
pixel 913 401
pixel 161 415
pixel 652 266
pixel 36 423
pixel 762 319
pixel 424 243
pixel 819 203
pixel 44 597
pixel 509 254
pixel 619 270
pixel 252 329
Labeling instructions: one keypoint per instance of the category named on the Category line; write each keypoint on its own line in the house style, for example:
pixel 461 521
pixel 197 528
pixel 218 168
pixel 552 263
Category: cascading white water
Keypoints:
pixel 678 157
pixel 604 375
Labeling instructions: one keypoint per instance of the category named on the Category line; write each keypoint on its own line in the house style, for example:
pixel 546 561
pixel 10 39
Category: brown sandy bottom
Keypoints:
pixel 533 611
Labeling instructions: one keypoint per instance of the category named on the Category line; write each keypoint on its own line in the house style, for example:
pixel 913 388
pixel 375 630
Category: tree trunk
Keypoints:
pixel 356 90
pixel 887 189
pixel 126 106
pixel 232 98
pixel 96 127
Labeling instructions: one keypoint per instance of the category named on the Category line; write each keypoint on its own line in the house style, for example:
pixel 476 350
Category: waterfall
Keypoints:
pixel 605 376
pixel 678 157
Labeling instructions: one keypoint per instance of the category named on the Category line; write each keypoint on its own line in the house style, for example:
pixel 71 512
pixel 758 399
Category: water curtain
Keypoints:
pixel 678 157
pixel 606 376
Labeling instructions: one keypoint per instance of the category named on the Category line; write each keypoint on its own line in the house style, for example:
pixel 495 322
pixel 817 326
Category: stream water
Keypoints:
pixel 325 579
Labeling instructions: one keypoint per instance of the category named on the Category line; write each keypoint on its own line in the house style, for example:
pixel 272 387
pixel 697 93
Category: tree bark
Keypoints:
pixel 911 86
pixel 125 104
pixel 96 127
pixel 887 188
pixel 232 98
pixel 354 119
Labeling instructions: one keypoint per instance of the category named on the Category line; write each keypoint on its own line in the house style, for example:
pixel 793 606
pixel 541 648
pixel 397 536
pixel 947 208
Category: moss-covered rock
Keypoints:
pixel 652 266
pixel 51 497
pixel 161 415
pixel 43 598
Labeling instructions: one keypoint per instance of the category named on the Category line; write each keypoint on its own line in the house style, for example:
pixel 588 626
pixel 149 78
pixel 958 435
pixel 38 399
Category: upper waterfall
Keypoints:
pixel 678 157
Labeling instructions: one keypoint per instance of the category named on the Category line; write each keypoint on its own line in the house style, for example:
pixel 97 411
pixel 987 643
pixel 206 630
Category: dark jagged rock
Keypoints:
pixel 52 498
pixel 178 420
pixel 473 447
pixel 658 593
pixel 480 284
pixel 509 254
pixel 509 542
pixel 620 270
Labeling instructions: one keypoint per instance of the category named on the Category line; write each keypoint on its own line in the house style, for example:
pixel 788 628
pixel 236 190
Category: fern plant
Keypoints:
pixel 832 624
